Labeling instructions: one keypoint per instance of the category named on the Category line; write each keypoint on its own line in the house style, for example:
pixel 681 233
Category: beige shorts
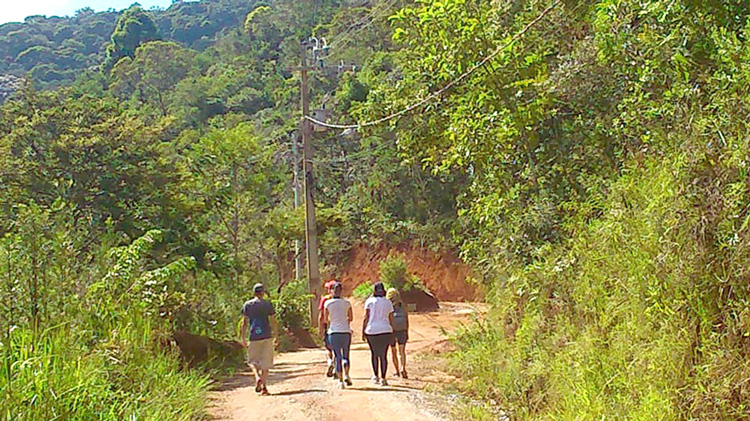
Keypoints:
pixel 260 354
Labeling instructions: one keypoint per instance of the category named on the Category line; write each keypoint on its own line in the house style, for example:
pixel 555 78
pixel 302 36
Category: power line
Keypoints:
pixel 348 36
pixel 454 82
pixel 353 28
pixel 372 16
pixel 312 18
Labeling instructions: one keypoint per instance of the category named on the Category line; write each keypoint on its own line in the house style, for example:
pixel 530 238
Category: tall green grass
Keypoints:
pixel 104 352
pixel 53 375
pixel 630 319
pixel 102 349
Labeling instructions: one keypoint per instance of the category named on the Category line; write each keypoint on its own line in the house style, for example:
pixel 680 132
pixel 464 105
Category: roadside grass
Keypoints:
pixel 105 353
pixel 53 375
pixel 619 323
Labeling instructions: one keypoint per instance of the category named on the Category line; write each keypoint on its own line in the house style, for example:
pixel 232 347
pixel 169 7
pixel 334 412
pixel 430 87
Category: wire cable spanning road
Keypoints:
pixel 445 88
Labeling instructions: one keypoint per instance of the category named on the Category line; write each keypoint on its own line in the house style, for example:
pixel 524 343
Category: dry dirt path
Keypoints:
pixel 300 390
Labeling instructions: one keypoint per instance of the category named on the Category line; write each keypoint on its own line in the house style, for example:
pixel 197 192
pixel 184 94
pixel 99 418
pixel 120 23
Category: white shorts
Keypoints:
pixel 260 354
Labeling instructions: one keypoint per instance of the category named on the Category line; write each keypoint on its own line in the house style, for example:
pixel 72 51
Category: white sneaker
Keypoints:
pixel 375 380
pixel 341 385
pixel 383 382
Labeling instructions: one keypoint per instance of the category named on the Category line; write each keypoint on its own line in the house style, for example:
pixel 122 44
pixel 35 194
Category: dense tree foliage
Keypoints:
pixel 196 24
pixel 54 50
pixel 134 27
pixel 606 197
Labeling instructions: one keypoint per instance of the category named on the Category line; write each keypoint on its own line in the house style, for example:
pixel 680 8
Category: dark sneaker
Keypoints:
pixel 331 368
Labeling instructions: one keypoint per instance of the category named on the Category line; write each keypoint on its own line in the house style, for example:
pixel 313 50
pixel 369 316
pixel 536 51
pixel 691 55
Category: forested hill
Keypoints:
pixel 53 50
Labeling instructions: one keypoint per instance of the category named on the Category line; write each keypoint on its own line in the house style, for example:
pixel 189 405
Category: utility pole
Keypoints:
pixel 320 51
pixel 298 259
pixel 311 229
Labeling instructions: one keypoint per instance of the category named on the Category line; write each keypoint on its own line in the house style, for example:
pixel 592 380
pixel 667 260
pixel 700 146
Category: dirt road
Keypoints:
pixel 300 390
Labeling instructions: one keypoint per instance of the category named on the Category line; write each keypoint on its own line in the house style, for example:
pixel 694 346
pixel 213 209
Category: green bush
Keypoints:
pixel 617 323
pixel 394 271
pixel 393 274
pixel 292 305
pixel 364 290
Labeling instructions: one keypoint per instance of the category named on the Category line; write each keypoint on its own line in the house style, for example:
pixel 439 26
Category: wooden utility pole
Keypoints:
pixel 298 260
pixel 311 229
pixel 306 129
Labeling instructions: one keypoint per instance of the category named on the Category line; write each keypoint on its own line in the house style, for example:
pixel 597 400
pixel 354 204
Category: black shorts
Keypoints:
pixel 400 337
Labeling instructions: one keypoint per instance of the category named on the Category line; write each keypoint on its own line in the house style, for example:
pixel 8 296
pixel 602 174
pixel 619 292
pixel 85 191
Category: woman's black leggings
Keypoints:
pixel 379 352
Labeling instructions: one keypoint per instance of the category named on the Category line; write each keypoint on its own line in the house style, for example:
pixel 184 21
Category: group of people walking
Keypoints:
pixel 385 325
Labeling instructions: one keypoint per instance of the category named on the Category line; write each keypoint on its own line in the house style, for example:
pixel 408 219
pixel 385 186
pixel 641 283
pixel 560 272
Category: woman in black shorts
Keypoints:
pixel 400 331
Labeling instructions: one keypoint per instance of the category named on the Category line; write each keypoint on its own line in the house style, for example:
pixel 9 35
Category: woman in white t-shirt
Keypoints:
pixel 338 313
pixel 377 328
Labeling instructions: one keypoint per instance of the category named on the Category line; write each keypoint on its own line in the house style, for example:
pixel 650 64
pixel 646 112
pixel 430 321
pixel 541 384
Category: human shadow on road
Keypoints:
pixel 297 392
pixel 277 377
pixel 290 370
pixel 379 389
pixel 400 387
pixel 244 379
pixel 320 362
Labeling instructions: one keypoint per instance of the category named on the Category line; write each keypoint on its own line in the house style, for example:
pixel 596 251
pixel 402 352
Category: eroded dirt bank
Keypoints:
pixel 444 274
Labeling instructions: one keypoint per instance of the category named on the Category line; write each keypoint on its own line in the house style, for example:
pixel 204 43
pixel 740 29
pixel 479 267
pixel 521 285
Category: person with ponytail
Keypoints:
pixel 338 313
pixel 377 329
pixel 400 331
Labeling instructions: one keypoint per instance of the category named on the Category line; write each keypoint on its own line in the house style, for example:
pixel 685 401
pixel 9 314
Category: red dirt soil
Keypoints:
pixel 444 274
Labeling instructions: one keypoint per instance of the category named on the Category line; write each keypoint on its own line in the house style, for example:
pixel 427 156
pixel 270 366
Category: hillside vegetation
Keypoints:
pixel 54 50
pixel 589 161
pixel 608 199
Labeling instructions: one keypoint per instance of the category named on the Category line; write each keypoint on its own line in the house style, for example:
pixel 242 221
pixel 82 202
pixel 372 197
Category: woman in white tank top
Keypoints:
pixel 377 329
pixel 339 315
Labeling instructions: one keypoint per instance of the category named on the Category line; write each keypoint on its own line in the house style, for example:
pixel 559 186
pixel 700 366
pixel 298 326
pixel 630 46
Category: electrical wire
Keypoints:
pixel 312 18
pixel 355 28
pixel 454 82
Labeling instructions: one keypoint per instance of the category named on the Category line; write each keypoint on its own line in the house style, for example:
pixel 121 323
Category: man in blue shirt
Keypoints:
pixel 259 316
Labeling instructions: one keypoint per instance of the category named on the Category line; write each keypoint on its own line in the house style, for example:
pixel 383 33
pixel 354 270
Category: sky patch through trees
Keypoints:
pixel 18 11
